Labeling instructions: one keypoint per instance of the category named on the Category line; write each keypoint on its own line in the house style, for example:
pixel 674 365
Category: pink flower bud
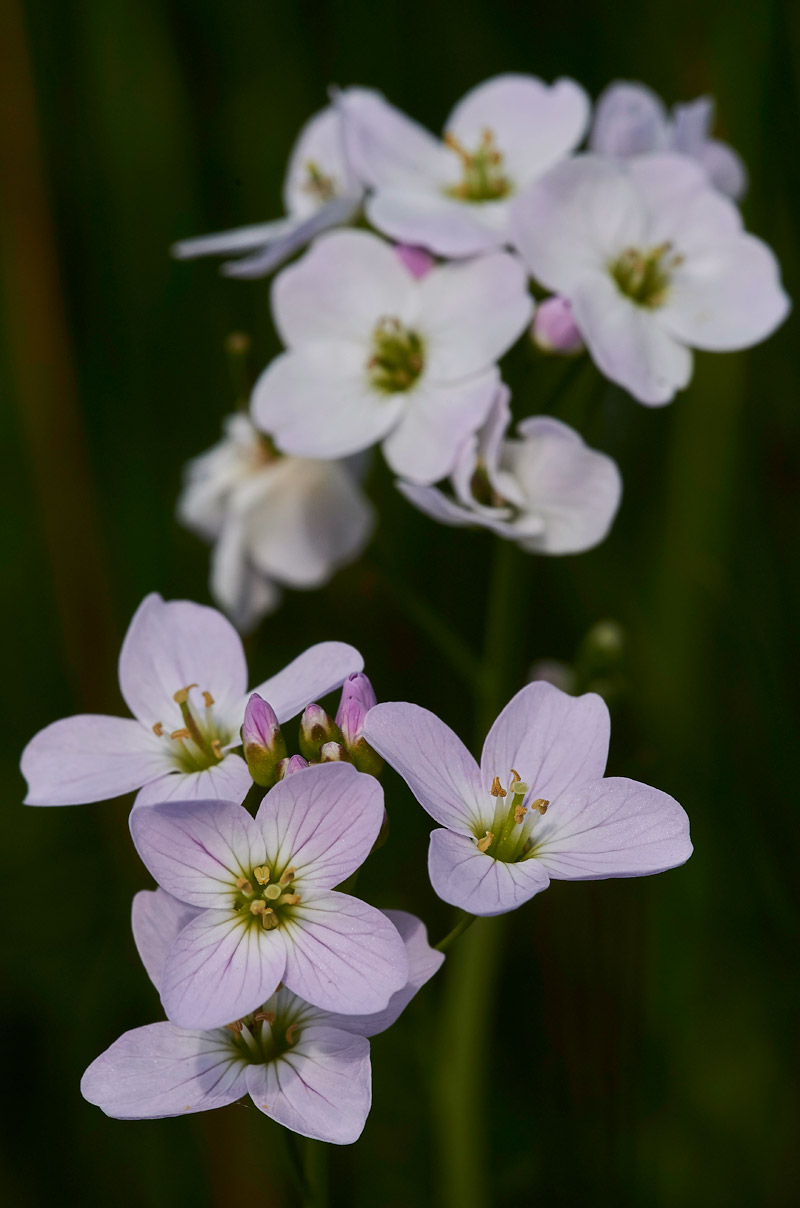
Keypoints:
pixel 358 697
pixel 316 728
pixel 554 329
pixel 263 743
pixel 418 262
pixel 294 764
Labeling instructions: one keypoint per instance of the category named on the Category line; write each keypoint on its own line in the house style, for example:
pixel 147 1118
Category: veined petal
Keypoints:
pixel 157 919
pixel 426 442
pixel 226 781
pixel 219 968
pixel 434 763
pixel 475 881
pixel 320 1088
pixel 612 828
pixel 90 758
pixel 342 955
pixel 323 821
pixel 314 673
pixel 161 1070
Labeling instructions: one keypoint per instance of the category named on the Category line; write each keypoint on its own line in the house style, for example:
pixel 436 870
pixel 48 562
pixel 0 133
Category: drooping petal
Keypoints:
pixel 198 850
pixel 245 593
pixel 226 781
pixel 612 828
pixel 157 919
pixel 321 1087
pixel 170 645
pixel 629 120
pixel 433 761
pixel 341 954
pixel 314 673
pixel 475 881
pixel 227 243
pixel 323 821
pixel 555 742
pixel 437 505
pixel 337 212
pixel 90 758
pixel 161 1070
pixel 219 968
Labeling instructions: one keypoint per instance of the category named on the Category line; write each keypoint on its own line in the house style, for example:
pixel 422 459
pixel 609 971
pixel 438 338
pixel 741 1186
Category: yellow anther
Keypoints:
pixel 261 874
pixel 269 920
pixel 244 885
pixel 540 805
pixel 216 747
pixel 519 813
pixel 272 891
pixel 515 777
pixel 265 1017
pixel 292 1028
pixel 486 841
pixel 287 877
pixel 158 728
pixel 497 789
pixel 182 695
pixel 235 1027
pixel 258 907
pixel 180 734
pixel 452 142
pixel 208 698
pixel 289 899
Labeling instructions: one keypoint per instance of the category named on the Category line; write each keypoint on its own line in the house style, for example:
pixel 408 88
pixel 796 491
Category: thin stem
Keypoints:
pixel 316 1169
pixel 465 921
pixel 296 1164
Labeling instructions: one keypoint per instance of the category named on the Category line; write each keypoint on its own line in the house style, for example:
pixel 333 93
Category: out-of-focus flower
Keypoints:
pixel 183 675
pixel 269 913
pixel 554 328
pixel 631 120
pixel 543 488
pixel 375 355
pixel 305 1068
pixel 274 520
pixel 654 263
pixel 452 194
pixel 537 808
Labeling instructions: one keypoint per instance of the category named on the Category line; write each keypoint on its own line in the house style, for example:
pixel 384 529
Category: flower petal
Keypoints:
pixel 244 593
pixel 342 955
pixel 433 761
pixel 90 758
pixel 259 263
pixel 475 881
pixel 197 850
pixel 220 968
pixel 226 243
pixel 323 821
pixel 161 1070
pixel 227 781
pixel 612 828
pixel 556 742
pixel 389 149
pixel 629 120
pixel 423 215
pixel 437 505
pixel 320 1088
pixel 314 673
pixel 321 143
pixel 426 442
pixel 157 919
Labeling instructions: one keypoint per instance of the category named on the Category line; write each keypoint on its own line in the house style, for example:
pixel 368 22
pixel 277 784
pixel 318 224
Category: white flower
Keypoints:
pixel 452 194
pixel 375 354
pixel 654 262
pixel 544 489
pixel 274 520
pixel 631 120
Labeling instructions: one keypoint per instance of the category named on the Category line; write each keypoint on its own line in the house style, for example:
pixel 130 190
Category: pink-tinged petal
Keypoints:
pixel 388 148
pixel 423 962
pixel 426 442
pixel 427 217
pixel 629 120
pixel 612 828
pixel 171 645
pixel 437 505
pixel 475 881
pixel 342 955
pixel 554 741
pixel 219 968
pixel 434 763
pixel 320 1088
pixel 323 821
pixel 90 758
pixel 471 313
pixel 418 262
pixel 314 673
pixel 157 919
pixel 161 1070
pixel 227 781
pixel 198 850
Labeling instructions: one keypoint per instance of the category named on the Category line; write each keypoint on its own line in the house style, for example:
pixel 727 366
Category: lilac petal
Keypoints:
pixel 612 828
pixel 197 851
pixel 311 675
pixel 391 150
pixel 423 962
pixel 157 919
pixel 475 881
pixel 726 169
pixel 320 1088
pixel 227 781
pixel 554 741
pixel 629 120
pixel 336 212
pixel 90 758
pixel 342 955
pixel 433 761
pixel 226 243
pixel 437 505
pixel 323 820
pixel 428 218
pixel 160 1070
pixel 171 645
pixel 219 968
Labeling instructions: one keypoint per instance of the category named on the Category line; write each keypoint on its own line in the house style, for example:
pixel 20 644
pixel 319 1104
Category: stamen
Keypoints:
pixel 269 919
pixel 540 805
pixel 486 841
pixel 180 734
pixel 235 1027
pixel 520 812
pixel 258 907
pixel 208 698
pixel 216 747
pixel 497 789
pixel 272 892
pixel 182 695
pixel 287 877
pixel 244 885
pixel 288 899
pixel 158 728
pixel 261 874
pixel 265 1017
pixel 289 1033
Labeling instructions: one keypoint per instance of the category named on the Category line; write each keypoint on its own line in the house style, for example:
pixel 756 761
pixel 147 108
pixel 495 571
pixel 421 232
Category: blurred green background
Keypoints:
pixel 642 1046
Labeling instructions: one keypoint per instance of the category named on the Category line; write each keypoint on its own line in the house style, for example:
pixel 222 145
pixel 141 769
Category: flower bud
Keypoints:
pixel 418 262
pixel 287 766
pixel 316 729
pixel 263 743
pixel 332 752
pixel 358 697
pixel 554 329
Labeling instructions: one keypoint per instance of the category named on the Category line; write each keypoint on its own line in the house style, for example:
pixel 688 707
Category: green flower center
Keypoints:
pixel 198 743
pixel 265 897
pixel 644 276
pixel 266 1034
pixel 398 356
pixel 317 184
pixel 483 178
pixel 510 837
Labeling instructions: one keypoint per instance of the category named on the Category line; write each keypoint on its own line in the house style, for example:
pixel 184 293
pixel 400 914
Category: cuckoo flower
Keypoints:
pixel 452 194
pixel 275 521
pixel 631 120
pixel 377 354
pixel 183 675
pixel 654 263
pixel 269 913
pixel 307 1069
pixel 538 806
pixel 543 488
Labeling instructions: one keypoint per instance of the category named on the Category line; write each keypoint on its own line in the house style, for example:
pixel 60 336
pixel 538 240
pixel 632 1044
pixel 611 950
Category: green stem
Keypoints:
pixel 296 1164
pixel 465 921
pixel 316 1170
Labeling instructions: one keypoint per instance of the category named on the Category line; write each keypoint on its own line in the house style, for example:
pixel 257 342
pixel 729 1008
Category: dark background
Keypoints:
pixel 642 1042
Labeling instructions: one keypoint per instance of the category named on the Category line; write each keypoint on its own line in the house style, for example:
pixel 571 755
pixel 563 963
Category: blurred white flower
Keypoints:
pixel 274 520
pixel 544 488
